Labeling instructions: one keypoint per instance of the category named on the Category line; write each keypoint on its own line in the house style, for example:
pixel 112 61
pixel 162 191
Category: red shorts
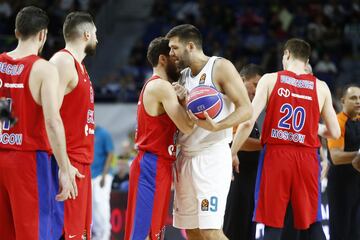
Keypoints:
pixel 27 196
pixel 77 213
pixel 148 197
pixel 288 173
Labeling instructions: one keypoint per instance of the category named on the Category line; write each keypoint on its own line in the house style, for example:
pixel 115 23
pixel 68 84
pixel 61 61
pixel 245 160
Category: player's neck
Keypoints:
pixel 23 49
pixel 198 62
pixel 297 67
pixel 160 71
pixel 77 50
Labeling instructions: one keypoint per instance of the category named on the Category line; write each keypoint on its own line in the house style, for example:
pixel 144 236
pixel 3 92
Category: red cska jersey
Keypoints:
pixel 77 113
pixel 292 114
pixel 29 133
pixel 157 134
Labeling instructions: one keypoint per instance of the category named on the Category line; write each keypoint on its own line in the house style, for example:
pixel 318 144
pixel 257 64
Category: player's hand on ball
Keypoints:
pixel 180 90
pixel 208 124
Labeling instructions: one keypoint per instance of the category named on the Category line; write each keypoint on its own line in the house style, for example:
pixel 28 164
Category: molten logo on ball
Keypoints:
pixel 204 98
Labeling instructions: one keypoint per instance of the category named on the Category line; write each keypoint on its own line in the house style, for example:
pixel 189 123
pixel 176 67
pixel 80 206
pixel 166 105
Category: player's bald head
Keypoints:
pixel 76 23
pixel 349 89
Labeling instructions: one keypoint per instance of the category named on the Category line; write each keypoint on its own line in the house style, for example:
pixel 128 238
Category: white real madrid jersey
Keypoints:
pixel 200 138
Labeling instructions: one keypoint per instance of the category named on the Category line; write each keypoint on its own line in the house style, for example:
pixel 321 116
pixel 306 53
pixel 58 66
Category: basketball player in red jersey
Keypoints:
pixel 159 115
pixel 77 112
pixel 30 84
pixel 289 167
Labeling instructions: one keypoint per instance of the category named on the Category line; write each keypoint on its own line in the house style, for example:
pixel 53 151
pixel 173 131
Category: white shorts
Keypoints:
pixel 202 183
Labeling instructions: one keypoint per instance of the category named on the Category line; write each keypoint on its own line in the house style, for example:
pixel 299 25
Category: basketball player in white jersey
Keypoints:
pixel 204 164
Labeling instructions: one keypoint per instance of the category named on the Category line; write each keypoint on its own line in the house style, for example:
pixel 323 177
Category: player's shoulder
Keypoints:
pixel 223 68
pixel 43 67
pixel 62 58
pixel 269 78
pixel 158 84
pixel 158 89
pixel 321 83
pixel 272 75
pixel 322 87
pixel 220 62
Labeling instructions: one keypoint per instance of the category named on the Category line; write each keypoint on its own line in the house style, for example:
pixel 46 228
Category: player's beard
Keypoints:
pixel 184 61
pixel 90 49
pixel 172 71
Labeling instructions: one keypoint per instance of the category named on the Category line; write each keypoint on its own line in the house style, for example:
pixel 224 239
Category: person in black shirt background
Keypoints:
pixel 343 180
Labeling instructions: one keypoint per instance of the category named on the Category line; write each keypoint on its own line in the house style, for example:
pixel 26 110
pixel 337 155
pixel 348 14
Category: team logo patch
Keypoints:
pixel 205 205
pixel 202 78
pixel 283 92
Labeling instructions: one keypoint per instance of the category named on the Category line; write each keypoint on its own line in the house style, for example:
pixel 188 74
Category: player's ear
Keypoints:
pixel 342 100
pixel 87 35
pixel 191 46
pixel 286 54
pixel 162 59
pixel 17 34
pixel 42 35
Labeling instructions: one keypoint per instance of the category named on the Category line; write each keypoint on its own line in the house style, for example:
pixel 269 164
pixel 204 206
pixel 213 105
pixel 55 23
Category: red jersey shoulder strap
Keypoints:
pixel 77 64
pixel 147 81
pixel 31 57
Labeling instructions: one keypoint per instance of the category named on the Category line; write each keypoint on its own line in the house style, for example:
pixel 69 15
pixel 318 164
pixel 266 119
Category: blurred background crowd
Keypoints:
pixel 241 31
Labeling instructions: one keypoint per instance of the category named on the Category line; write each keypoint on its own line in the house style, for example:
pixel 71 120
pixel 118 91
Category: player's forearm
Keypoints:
pixel 107 164
pixel 251 144
pixel 189 124
pixel 339 157
pixel 184 124
pixel 323 131
pixel 241 135
pixel 240 115
pixel 56 135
